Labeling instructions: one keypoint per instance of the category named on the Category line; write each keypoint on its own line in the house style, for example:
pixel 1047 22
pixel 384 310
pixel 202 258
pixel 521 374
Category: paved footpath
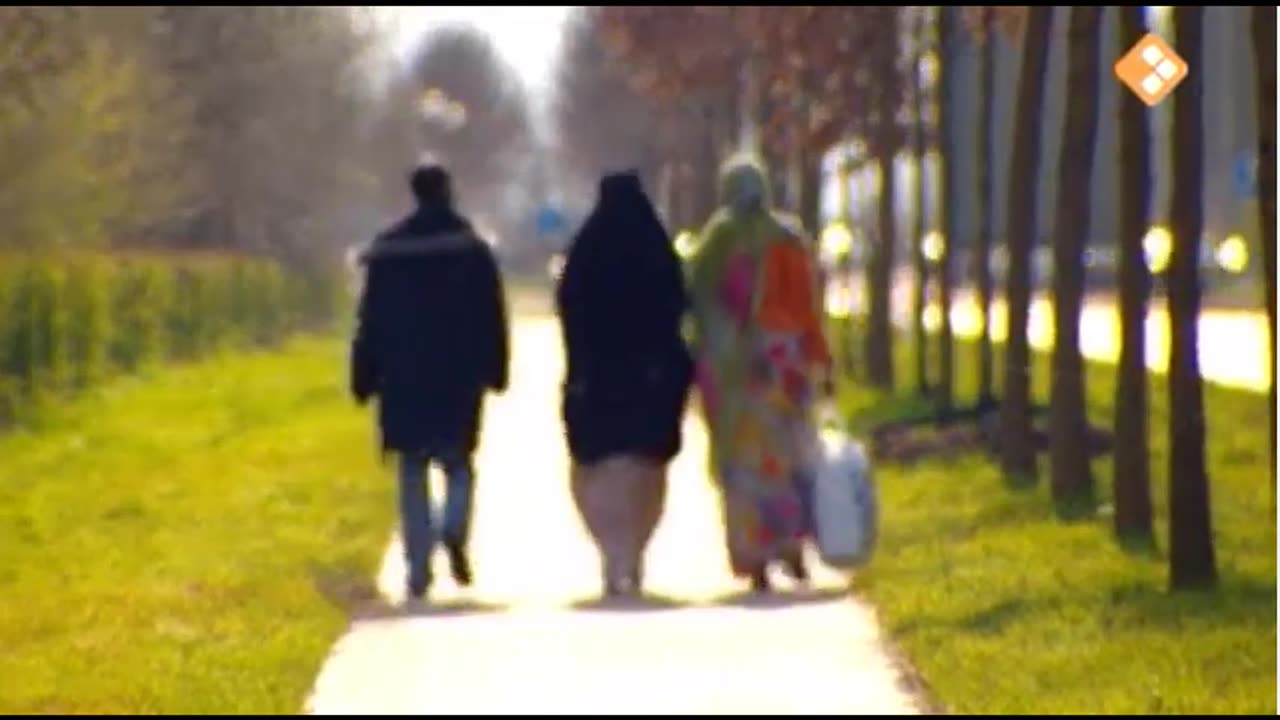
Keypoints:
pixel 531 638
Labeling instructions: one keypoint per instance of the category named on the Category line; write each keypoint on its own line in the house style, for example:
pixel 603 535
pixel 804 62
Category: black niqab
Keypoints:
pixel 621 299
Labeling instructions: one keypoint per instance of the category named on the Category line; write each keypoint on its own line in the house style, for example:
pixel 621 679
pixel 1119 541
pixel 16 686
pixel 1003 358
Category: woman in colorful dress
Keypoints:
pixel 761 357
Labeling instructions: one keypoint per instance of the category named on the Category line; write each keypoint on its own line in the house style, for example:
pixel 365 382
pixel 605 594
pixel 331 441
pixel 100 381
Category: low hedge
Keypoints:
pixel 68 322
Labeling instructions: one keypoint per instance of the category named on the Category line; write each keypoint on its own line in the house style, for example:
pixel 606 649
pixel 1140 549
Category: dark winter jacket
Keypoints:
pixel 432 334
pixel 621 299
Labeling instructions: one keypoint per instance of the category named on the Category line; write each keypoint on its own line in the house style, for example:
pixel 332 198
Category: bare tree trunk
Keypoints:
pixel 795 158
pixel 947 176
pixel 666 196
pixel 749 107
pixel 810 183
pixel 879 325
pixel 918 261
pixel 1132 457
pixel 1264 49
pixel 778 181
pixel 1191 555
pixel 1070 475
pixel 849 349
pixel 806 171
pixel 733 112
pixel 981 257
pixel 879 328
pixel 1017 453
pixel 686 196
pixel 706 172
pixel 776 171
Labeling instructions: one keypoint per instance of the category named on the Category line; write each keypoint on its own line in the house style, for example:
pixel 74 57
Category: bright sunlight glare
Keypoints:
pixel 527 36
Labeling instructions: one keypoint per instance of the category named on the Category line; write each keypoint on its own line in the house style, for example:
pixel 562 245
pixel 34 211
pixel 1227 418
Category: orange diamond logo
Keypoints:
pixel 1151 69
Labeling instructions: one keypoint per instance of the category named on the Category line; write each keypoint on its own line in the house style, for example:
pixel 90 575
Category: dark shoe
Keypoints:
pixel 636 581
pixel 760 582
pixel 417 589
pixel 459 564
pixel 796 568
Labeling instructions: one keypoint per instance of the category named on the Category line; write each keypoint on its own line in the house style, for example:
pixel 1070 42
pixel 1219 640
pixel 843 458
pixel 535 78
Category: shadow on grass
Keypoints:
pixel 987 621
pixel 1139 545
pixel 1234 604
pixel 346 586
pixel 1077 507
pixel 994 619
pixel 1018 508
pixel 1024 482
pixel 866 411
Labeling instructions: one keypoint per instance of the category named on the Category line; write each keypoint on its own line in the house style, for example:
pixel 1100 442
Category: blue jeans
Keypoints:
pixel 416 526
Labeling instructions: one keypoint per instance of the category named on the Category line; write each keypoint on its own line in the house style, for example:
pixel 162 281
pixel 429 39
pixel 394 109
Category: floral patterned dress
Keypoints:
pixel 759 343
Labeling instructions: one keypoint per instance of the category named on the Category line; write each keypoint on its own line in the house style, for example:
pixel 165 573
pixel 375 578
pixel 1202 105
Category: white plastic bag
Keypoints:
pixel 845 510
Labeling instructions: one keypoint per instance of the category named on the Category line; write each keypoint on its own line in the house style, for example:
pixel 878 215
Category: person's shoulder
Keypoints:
pixel 482 251
pixel 463 235
pixel 404 226
pixel 720 221
pixel 416 239
pixel 382 240
pixel 789 226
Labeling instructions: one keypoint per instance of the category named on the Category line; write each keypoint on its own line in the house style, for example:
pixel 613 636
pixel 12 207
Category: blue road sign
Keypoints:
pixel 1244 174
pixel 550 221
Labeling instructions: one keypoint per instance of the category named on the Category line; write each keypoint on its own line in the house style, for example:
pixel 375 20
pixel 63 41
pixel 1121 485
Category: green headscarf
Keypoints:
pixel 744 224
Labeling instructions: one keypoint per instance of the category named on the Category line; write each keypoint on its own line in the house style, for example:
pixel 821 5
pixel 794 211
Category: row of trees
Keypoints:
pixel 178 179
pixel 470 109
pixel 466 106
pixel 679 88
pixel 1192 559
pixel 600 121
pixel 253 129
pixel 808 77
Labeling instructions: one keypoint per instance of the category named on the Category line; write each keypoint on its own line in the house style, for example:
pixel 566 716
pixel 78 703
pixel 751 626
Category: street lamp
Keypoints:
pixel 836 241
pixel 1157 246
pixel 932 245
pixel 1233 254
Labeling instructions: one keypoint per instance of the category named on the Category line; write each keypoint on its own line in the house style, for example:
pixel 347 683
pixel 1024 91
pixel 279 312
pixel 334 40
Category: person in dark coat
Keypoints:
pixel 431 341
pixel 621 299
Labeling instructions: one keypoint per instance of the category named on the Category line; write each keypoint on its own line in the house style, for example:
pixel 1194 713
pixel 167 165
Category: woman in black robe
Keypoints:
pixel 621 299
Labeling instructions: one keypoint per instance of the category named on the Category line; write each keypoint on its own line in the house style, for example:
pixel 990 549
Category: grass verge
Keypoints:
pixel 187 542
pixel 1005 609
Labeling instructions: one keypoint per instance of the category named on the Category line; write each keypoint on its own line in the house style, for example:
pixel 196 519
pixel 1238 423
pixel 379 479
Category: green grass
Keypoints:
pixel 188 542
pixel 1005 609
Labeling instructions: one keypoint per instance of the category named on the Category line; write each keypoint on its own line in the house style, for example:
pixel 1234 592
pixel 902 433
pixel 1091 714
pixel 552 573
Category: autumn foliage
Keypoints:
pixel 812 65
